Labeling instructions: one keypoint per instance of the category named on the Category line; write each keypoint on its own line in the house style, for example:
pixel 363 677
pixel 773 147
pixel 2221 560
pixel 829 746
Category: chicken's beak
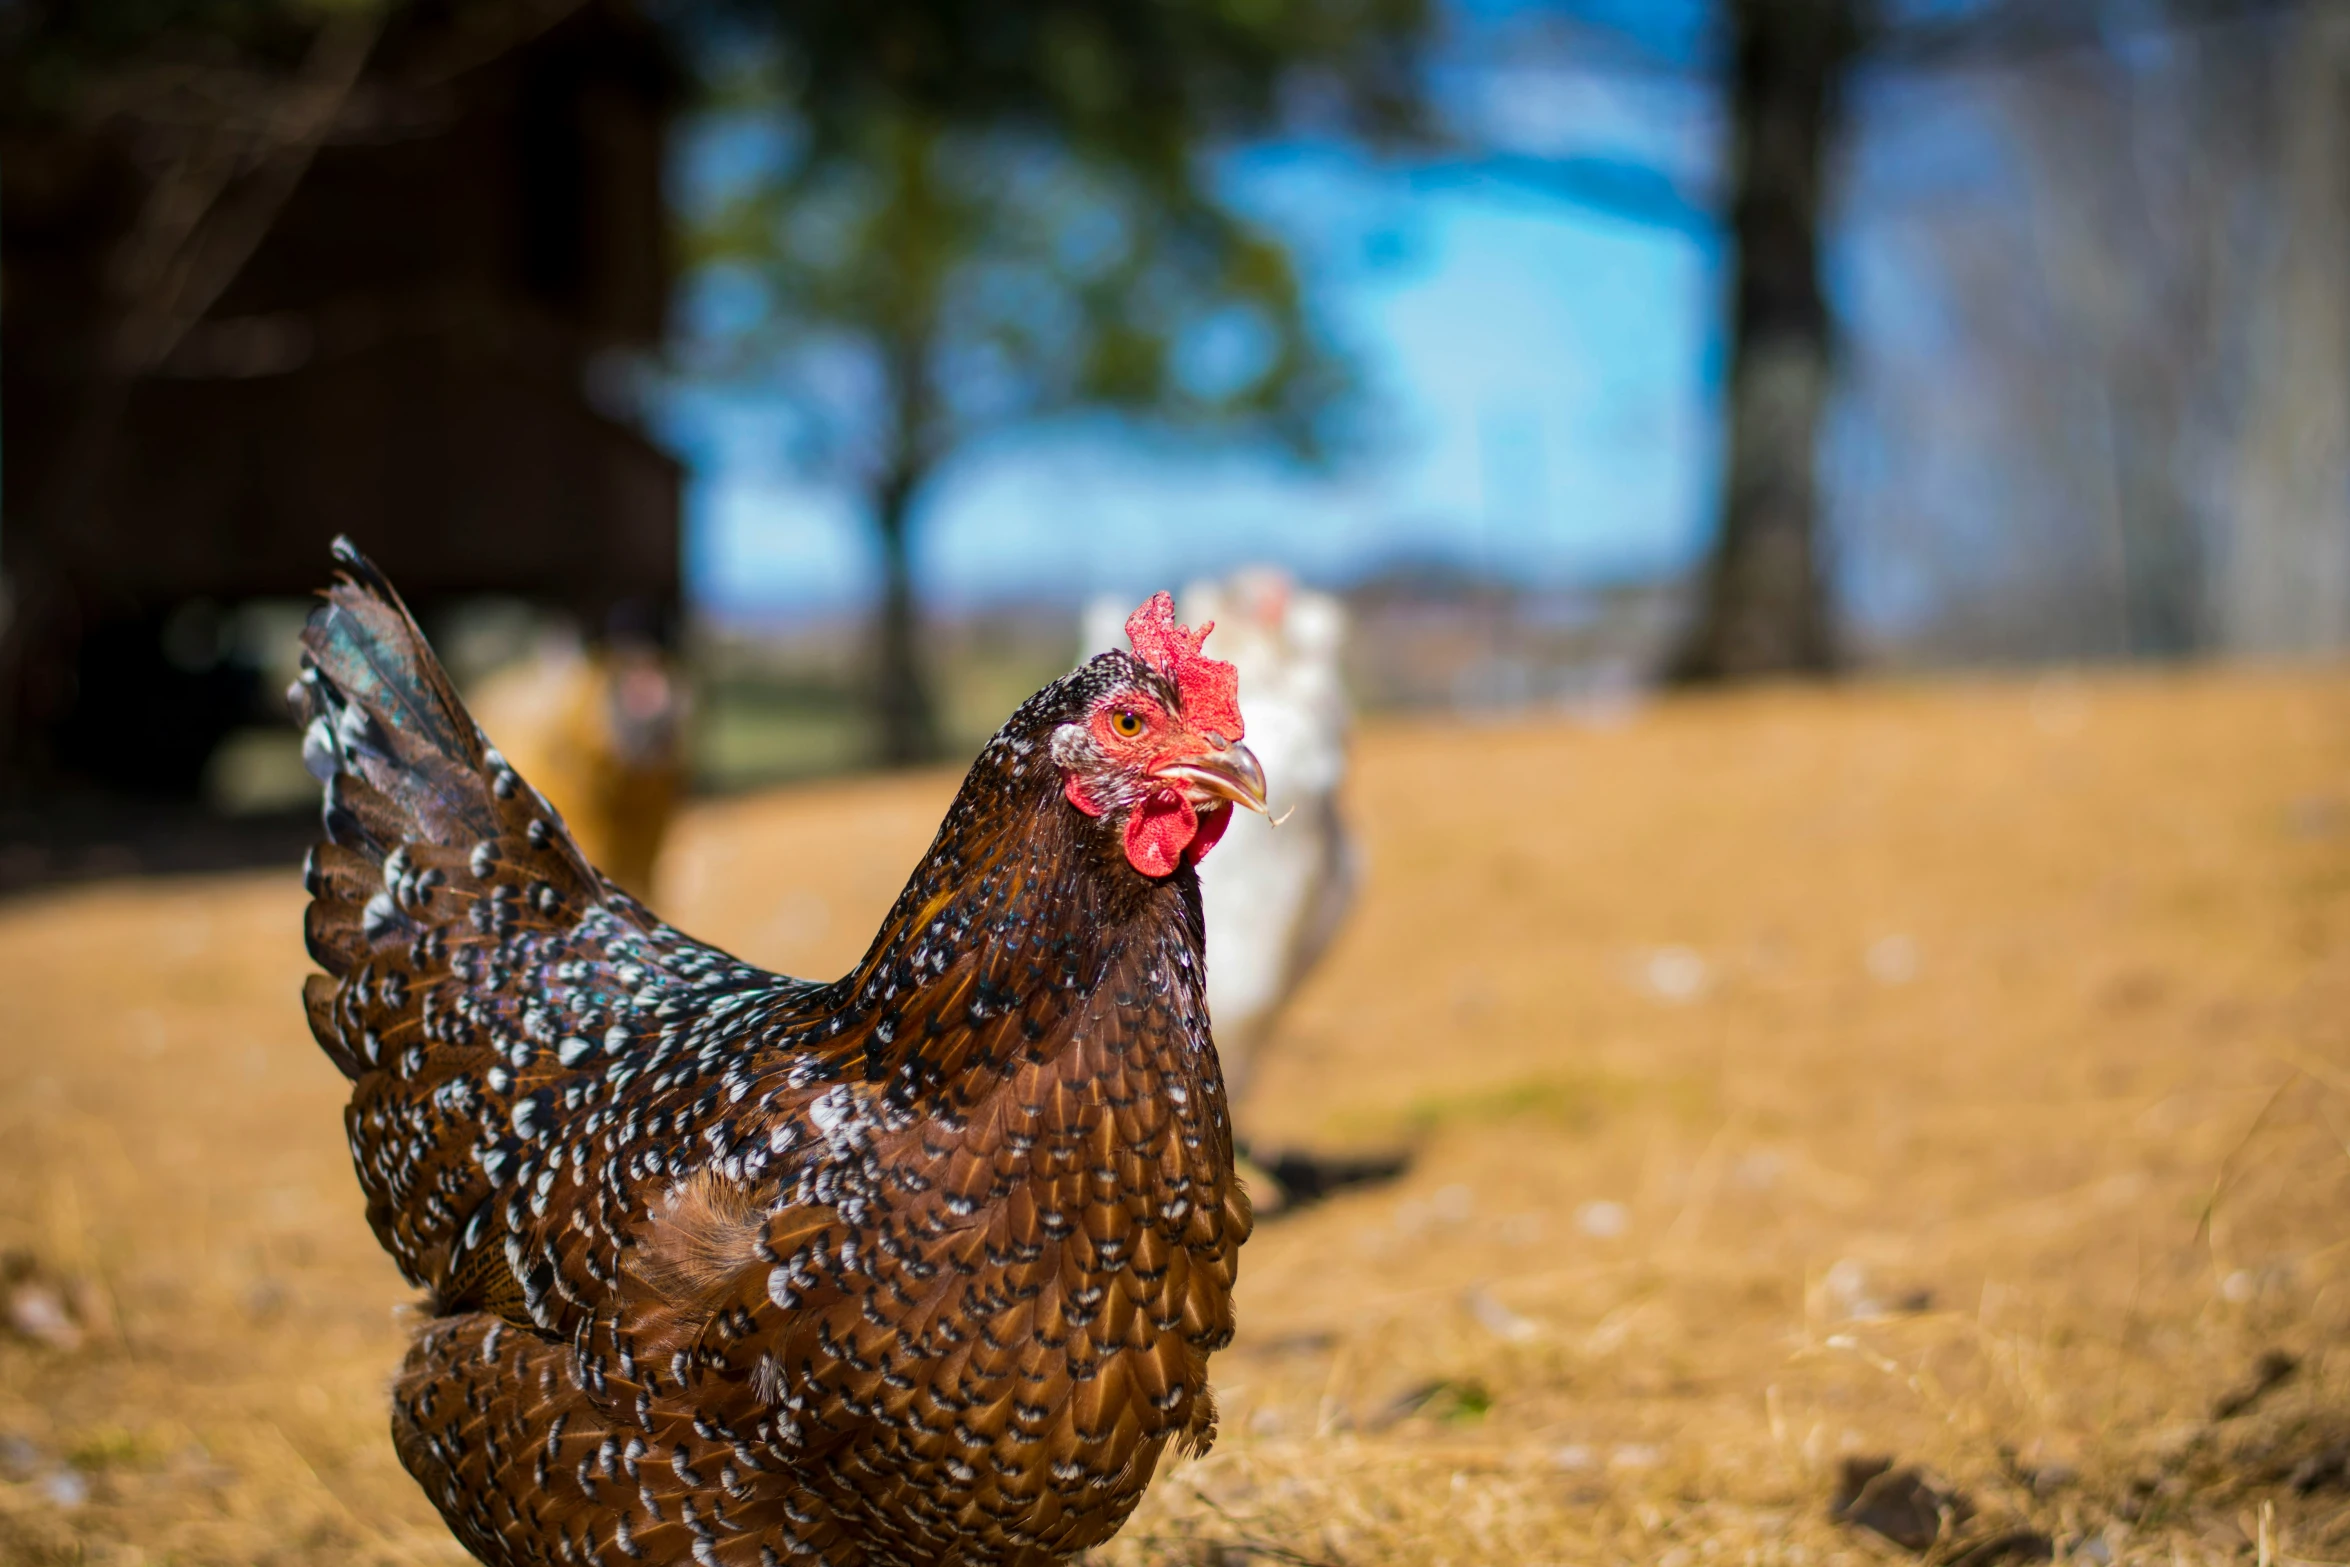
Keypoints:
pixel 1228 772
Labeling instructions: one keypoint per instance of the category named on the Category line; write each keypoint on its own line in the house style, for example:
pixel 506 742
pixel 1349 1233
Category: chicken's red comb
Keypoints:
pixel 1209 688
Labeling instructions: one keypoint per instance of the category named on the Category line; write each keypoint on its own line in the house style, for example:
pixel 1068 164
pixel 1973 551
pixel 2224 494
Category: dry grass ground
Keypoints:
pixel 1792 1075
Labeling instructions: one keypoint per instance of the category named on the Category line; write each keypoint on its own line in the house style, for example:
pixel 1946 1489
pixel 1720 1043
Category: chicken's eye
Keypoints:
pixel 1127 722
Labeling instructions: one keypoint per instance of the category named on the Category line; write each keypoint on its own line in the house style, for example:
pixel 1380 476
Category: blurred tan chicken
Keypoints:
pixel 600 730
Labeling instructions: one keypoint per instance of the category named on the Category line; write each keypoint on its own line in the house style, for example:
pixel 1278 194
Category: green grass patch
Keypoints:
pixel 1574 1102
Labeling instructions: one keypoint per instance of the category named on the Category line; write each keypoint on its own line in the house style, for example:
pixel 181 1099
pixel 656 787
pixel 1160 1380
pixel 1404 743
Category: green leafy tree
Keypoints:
pixel 982 279
pixel 1031 236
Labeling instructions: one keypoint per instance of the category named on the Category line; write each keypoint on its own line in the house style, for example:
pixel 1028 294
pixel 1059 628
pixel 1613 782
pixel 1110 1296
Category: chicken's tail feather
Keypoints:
pixel 444 885
pixel 385 731
pixel 424 819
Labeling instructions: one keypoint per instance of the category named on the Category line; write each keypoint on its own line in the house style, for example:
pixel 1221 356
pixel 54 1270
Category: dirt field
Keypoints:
pixel 1951 1073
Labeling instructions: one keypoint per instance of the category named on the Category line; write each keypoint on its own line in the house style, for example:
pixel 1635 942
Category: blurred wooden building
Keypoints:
pixel 451 241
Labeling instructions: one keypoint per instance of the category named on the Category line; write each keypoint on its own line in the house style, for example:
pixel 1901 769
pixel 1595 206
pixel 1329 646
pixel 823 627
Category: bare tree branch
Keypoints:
pixel 202 222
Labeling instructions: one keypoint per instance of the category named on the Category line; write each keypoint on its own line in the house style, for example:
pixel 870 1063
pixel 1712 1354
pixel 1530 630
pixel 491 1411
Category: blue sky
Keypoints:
pixel 1539 387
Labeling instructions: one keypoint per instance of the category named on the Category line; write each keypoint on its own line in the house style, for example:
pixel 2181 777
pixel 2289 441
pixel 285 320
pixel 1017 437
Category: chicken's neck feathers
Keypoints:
pixel 1017 891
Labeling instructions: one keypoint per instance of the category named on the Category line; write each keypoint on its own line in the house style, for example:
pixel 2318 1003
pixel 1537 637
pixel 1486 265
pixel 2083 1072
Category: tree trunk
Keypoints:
pixel 915 243
pixel 908 728
pixel 1763 608
pixel 2285 573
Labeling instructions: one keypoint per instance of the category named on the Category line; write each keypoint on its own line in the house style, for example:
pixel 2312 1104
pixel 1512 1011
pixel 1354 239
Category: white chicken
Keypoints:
pixel 1274 896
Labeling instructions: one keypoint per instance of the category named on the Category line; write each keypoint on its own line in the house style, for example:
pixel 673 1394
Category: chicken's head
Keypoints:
pixel 1155 751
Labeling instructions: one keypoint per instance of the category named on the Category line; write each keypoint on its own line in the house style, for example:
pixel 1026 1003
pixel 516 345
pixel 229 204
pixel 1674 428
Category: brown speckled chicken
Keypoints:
pixel 921 1266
